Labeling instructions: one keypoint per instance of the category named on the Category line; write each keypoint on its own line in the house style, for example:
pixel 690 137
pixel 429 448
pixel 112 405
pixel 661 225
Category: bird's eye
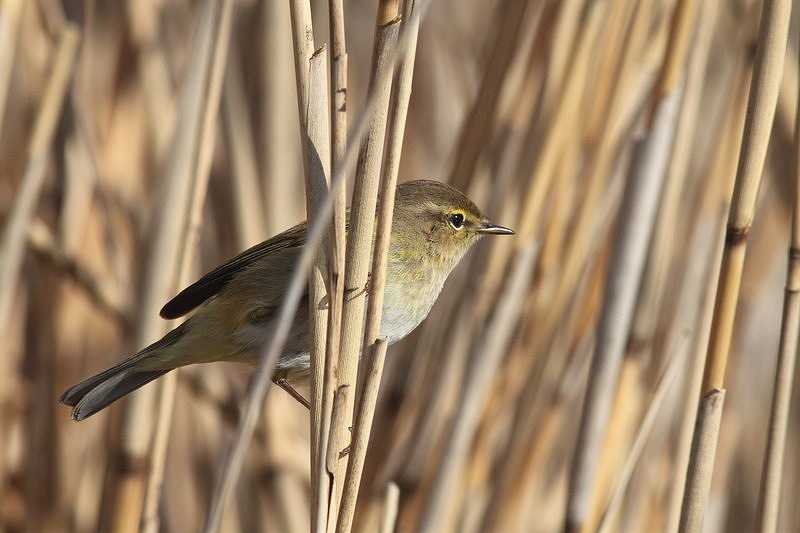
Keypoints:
pixel 456 220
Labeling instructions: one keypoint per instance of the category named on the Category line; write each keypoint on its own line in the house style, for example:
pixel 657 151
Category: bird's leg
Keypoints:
pixel 355 292
pixel 282 383
pixel 344 453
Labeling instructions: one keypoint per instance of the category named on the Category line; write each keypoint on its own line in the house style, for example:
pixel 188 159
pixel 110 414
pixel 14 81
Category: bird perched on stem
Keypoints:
pixel 432 228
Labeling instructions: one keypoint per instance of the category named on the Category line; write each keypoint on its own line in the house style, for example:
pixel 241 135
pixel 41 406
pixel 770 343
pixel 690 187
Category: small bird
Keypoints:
pixel 433 227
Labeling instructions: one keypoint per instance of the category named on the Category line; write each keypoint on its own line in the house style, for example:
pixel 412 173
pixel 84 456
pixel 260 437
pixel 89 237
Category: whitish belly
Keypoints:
pixel 407 310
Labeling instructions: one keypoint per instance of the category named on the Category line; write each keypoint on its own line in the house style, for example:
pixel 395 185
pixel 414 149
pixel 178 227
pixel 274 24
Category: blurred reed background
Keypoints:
pixel 608 134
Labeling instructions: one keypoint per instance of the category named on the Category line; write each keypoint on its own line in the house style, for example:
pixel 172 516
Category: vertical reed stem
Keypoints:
pixel 772 470
pixel 767 71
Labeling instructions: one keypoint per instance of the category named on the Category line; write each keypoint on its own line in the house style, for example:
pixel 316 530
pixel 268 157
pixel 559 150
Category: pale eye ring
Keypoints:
pixel 456 220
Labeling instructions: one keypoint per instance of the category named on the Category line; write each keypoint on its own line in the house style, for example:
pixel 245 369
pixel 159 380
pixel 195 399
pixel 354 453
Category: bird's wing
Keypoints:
pixel 213 282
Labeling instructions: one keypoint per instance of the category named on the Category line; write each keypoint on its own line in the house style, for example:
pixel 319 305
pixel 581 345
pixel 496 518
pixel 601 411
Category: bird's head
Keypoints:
pixel 436 223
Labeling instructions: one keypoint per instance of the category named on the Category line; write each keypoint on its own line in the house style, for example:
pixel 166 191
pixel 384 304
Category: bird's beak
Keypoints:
pixel 487 228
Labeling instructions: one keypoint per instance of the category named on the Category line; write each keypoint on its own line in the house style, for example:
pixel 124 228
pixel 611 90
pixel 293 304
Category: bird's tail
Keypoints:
pixel 99 391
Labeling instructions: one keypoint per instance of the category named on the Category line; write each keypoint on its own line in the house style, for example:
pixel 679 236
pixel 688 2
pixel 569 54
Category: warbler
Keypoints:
pixel 433 226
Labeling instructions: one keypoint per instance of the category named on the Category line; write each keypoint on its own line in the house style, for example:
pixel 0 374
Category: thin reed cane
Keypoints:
pixel 20 220
pixel 639 212
pixel 362 222
pixel 318 169
pixel 323 472
pixel 13 240
pixel 201 166
pixel 396 117
pixel 773 467
pixel 767 70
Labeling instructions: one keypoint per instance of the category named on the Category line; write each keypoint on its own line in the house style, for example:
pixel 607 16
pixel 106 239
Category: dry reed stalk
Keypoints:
pixel 598 168
pixel 332 459
pixel 562 50
pixel 557 145
pixel 315 172
pixel 318 167
pixel 610 331
pixel 20 218
pixel 391 504
pixel 787 97
pixel 338 81
pixel 542 168
pixel 488 352
pixel 44 127
pixel 712 204
pixel 560 392
pixel 611 58
pixel 365 411
pixel 626 411
pixel 546 387
pixel 186 178
pixel 773 467
pixel 694 373
pixel 501 50
pixel 153 68
pixel 639 211
pixel 280 155
pixel 222 18
pixel 247 207
pixel 323 471
pixel 303 48
pixel 323 511
pixel 151 517
pixel 10 18
pixel 521 101
pixel 703 450
pixel 362 221
pixel 640 205
pixel 325 480
pixel 82 161
pixel 396 123
pixel 337 271
pixel 647 315
pixel 327 460
pixel 645 429
pixel 650 307
pixel 542 142
pixel 692 317
pixel 680 37
pixel 664 238
pixel 767 70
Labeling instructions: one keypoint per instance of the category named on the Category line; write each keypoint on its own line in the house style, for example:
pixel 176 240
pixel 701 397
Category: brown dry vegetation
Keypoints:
pixel 555 384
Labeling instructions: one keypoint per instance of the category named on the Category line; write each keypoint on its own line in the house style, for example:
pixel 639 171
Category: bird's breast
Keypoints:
pixel 406 303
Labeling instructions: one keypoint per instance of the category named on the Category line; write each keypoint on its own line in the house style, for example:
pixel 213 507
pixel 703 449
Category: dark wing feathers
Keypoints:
pixel 213 282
